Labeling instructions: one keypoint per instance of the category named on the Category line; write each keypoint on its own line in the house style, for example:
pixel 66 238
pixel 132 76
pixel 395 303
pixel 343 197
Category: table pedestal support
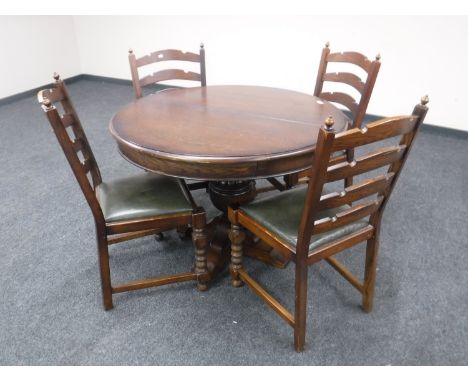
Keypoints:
pixel 233 193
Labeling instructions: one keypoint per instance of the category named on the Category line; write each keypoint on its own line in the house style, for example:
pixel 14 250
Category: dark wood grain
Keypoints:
pixel 350 79
pixel 83 164
pixel 337 246
pixel 341 98
pixel 365 200
pixel 370 134
pixel 355 58
pixel 343 271
pixel 167 55
pixel 355 192
pixel 350 215
pixel 378 158
pixel 364 85
pixel 265 296
pixel 222 132
pixel 165 74
pixel 169 74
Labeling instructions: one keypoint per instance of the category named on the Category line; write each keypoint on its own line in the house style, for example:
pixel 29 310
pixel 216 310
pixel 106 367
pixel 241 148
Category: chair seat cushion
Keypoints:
pixel 281 214
pixel 141 196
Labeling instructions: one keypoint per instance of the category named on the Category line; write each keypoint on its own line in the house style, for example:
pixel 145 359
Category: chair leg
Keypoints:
pixel 104 268
pixel 370 273
pixel 237 236
pixel 300 305
pixel 200 241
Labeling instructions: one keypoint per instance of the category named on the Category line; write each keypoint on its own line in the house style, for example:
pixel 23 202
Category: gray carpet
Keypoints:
pixel 51 312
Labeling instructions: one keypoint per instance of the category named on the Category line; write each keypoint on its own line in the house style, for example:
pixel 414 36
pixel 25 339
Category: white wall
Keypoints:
pixel 33 47
pixel 419 54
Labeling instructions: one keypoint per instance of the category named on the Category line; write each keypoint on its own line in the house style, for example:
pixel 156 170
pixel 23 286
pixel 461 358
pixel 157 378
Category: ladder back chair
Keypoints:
pixel 167 75
pixel 363 86
pixel 357 108
pixel 125 208
pixel 308 223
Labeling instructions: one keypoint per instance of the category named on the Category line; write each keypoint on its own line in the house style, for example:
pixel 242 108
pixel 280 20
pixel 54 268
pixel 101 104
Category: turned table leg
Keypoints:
pixel 234 194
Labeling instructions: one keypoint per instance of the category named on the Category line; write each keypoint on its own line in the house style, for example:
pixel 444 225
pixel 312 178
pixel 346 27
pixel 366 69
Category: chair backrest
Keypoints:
pixel 363 86
pixel 368 197
pixel 72 138
pixel 167 74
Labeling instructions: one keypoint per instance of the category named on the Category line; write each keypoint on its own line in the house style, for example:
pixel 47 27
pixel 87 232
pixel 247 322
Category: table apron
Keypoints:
pixel 218 169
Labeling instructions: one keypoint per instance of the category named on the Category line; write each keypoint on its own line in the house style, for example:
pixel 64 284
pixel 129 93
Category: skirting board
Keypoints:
pixel 91 77
pixel 33 92
pixel 70 80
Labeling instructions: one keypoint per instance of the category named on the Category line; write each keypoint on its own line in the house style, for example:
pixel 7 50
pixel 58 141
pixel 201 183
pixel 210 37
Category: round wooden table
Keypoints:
pixel 222 132
pixel 228 135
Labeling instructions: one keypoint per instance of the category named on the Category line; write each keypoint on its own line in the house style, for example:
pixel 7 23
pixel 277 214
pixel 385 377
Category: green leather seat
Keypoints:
pixel 281 214
pixel 141 196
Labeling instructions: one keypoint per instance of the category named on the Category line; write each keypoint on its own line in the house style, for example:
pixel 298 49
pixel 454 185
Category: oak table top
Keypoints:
pixel 222 132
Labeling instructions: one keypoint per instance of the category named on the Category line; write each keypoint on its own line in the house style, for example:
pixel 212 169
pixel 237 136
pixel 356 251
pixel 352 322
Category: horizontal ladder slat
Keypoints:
pixel 379 158
pixel 268 298
pixel 348 216
pixel 87 165
pixel 341 244
pixel 149 283
pixel 170 74
pixel 346 78
pixel 376 131
pixel 78 144
pixel 341 98
pixel 355 58
pixel 167 55
pixel 355 192
pixel 338 159
pixel 68 120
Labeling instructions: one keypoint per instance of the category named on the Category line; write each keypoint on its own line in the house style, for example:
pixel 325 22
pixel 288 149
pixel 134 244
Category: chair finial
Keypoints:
pixel 424 100
pixel 327 44
pixel 47 104
pixel 202 46
pixel 56 77
pixel 378 57
pixel 130 51
pixel 329 123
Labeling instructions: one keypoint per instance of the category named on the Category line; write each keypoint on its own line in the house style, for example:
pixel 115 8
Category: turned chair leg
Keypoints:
pixel 104 268
pixel 200 241
pixel 237 236
pixel 300 305
pixel 370 273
